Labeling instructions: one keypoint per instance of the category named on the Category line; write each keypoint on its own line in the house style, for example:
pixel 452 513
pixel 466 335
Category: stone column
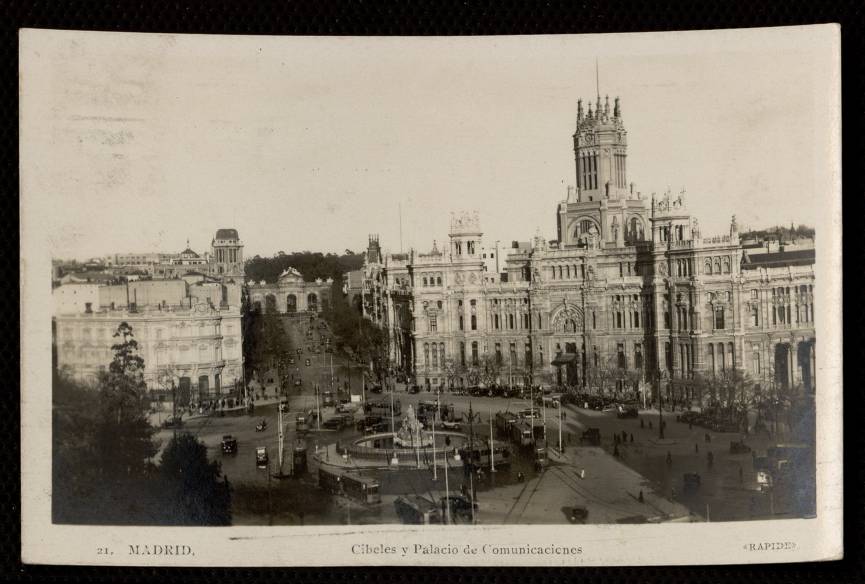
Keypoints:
pixel 812 356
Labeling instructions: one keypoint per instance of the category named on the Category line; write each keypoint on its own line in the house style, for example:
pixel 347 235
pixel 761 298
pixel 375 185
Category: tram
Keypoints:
pixel 350 484
pixel 382 408
pixel 504 421
pixel 299 460
pixel 301 423
pixel 521 434
pixel 478 455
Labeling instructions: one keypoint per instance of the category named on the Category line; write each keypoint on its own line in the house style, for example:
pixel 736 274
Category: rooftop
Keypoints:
pixel 799 257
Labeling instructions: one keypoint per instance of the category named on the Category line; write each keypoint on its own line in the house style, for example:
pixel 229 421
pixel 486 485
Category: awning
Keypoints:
pixel 564 358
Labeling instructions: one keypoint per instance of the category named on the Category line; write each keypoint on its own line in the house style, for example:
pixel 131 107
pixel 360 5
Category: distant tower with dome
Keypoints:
pixel 227 254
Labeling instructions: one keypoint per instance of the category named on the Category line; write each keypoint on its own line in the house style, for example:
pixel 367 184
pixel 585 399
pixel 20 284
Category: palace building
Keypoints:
pixel 630 287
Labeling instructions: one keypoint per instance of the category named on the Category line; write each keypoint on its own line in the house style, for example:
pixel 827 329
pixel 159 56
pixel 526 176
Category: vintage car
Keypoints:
pixel 261 457
pixel 577 514
pixel 229 444
pixel 630 412
pixel 691 481
pixel 591 436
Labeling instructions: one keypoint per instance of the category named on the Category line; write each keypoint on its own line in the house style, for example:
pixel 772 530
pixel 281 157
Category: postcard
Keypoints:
pixel 518 300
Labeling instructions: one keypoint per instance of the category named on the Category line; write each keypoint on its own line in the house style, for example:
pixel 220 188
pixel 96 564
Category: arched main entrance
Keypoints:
pixel 312 302
pixel 291 303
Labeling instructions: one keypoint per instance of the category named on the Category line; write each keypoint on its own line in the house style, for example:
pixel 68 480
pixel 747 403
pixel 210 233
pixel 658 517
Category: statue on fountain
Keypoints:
pixel 411 434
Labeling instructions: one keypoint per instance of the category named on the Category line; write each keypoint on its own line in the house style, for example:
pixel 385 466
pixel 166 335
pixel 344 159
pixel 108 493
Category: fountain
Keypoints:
pixel 409 445
pixel 411 434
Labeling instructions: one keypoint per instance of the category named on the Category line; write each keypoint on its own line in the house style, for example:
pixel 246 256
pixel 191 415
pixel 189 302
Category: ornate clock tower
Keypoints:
pixel 600 152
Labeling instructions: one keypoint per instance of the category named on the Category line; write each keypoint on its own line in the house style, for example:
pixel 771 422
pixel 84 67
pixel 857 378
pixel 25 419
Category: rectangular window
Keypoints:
pixel 474 322
pixel 433 324
pixel 513 353
pixel 498 353
pixel 474 353
pixel 528 354
pixel 462 323
pixel 719 318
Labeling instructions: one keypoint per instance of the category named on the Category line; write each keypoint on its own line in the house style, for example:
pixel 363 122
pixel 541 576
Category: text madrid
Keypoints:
pixel 432 549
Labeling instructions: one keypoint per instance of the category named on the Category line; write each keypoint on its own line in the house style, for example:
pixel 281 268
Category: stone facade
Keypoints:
pixel 193 339
pixel 630 285
pixel 290 294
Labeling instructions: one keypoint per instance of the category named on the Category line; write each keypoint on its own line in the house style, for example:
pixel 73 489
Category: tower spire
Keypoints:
pixel 597 80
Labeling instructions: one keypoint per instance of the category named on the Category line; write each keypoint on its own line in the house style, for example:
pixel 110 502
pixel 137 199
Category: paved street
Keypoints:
pixel 607 480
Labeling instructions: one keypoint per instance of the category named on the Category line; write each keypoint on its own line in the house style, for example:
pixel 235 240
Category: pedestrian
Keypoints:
pixel 696 447
pixel 642 423
pixel 650 424
pixel 640 498
pixel 710 459
pixel 741 476
pixel 616 451
pixel 632 438
pixel 709 438
pixel 690 425
pixel 669 458
pixel 624 436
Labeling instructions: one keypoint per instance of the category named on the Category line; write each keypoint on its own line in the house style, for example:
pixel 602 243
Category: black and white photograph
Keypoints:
pixel 442 300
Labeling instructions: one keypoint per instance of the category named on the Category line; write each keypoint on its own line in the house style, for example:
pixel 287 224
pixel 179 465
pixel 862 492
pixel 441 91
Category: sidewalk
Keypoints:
pixel 609 490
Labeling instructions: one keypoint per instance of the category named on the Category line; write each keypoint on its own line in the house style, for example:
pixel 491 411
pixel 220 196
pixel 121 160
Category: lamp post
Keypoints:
pixel 660 408
pixel 448 520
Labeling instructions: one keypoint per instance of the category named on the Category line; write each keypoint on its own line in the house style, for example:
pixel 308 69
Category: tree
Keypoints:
pixel 193 486
pixel 75 465
pixel 124 437
pixel 453 371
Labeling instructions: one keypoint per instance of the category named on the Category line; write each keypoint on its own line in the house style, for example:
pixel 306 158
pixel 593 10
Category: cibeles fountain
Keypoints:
pixel 411 444
pixel 411 433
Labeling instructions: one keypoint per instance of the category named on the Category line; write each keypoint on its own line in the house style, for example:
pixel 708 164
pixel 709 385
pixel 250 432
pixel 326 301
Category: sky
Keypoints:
pixel 138 142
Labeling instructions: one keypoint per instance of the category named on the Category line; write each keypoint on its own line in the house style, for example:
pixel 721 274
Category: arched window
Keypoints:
pixel 719 317
pixel 707 268
pixel 496 321
pixel 312 302
pixel 424 282
pixel 442 354
pixel 291 303
pixel 560 272
pixel 717 265
pixel 567 271
pixel 439 281
pixel 755 316
pixel 511 320
pixel 732 355
pixel 726 265
pixel 435 357
pixel 426 354
pixel 474 352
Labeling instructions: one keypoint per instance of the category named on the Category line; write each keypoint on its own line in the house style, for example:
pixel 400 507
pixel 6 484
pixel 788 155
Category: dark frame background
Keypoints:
pixel 443 17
